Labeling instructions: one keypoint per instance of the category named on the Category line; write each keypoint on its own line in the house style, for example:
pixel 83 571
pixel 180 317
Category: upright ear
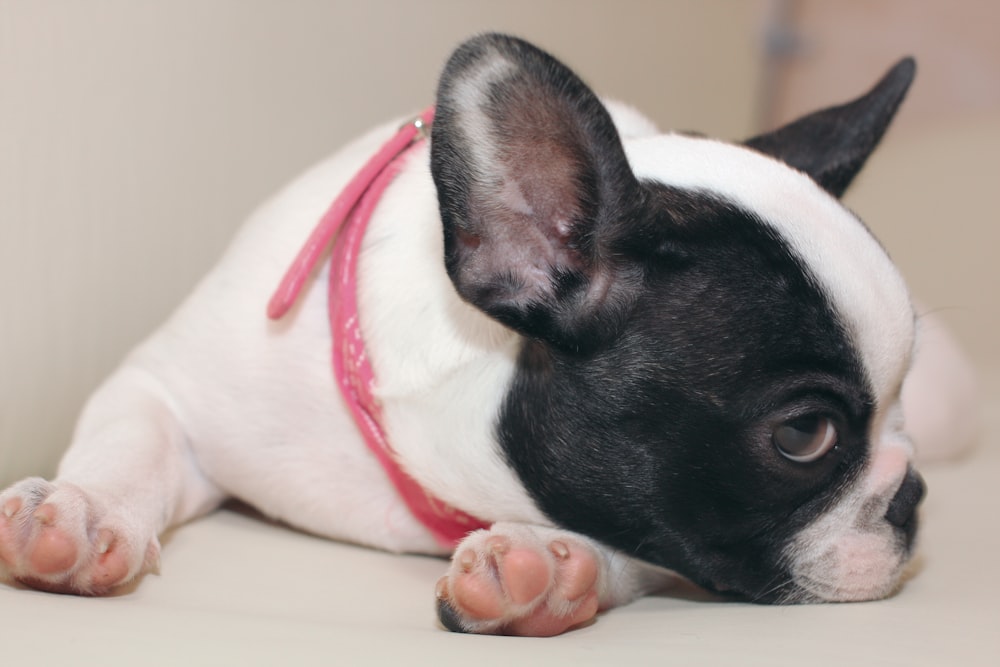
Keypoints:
pixel 832 145
pixel 532 184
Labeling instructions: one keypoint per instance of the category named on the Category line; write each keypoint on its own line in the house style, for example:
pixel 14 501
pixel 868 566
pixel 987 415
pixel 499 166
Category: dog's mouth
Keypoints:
pixel 781 589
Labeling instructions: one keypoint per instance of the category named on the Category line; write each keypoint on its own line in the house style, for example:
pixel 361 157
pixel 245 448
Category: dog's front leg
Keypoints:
pixel 535 581
pixel 128 475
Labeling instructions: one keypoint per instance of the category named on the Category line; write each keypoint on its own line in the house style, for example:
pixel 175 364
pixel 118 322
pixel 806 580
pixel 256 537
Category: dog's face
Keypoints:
pixel 714 347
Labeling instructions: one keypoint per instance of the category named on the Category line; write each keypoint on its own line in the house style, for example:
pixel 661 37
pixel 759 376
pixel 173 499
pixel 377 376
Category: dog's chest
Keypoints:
pixel 442 368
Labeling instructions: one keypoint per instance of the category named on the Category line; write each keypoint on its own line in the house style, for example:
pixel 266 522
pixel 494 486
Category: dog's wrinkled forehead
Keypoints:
pixel 844 260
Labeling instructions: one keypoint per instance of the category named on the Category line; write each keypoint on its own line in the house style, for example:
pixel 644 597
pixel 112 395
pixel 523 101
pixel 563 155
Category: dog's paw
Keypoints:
pixel 55 537
pixel 520 580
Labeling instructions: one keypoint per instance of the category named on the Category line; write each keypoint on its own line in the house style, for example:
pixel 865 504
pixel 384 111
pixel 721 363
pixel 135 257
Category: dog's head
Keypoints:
pixel 713 345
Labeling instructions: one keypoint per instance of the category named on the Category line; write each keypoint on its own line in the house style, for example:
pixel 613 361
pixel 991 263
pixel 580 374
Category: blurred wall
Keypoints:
pixel 136 135
pixel 927 192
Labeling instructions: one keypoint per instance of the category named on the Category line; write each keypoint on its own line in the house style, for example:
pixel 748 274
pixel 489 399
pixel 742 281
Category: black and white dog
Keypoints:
pixel 626 352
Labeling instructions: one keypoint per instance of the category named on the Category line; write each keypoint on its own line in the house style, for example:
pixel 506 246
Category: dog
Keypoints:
pixel 601 356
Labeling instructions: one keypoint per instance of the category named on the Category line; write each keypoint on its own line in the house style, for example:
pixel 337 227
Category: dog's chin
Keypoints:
pixel 858 567
pixel 821 582
pixel 847 565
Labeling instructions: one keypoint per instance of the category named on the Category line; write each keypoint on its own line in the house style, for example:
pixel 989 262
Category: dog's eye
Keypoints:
pixel 806 438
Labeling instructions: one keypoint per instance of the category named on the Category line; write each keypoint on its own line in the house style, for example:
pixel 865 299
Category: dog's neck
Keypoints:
pixel 346 221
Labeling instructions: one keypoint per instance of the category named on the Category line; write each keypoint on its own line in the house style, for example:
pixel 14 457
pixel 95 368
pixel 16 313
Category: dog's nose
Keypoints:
pixel 905 502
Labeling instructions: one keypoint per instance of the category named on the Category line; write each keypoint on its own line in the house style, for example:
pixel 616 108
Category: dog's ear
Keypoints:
pixel 532 181
pixel 832 145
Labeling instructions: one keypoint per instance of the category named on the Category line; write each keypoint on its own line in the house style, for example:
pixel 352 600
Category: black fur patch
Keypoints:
pixel 659 442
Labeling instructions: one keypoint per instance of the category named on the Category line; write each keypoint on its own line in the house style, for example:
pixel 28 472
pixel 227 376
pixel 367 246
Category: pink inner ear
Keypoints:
pixel 545 194
pixel 521 230
pixel 527 163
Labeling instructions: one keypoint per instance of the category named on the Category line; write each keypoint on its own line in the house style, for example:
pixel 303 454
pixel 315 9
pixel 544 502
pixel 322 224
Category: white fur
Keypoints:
pixel 256 400
pixel 473 122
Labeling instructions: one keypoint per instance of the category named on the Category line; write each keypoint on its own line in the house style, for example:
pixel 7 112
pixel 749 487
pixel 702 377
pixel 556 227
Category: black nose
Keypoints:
pixel 904 503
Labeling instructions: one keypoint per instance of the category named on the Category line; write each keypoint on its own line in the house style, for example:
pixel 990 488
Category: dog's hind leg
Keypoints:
pixel 128 475
pixel 940 395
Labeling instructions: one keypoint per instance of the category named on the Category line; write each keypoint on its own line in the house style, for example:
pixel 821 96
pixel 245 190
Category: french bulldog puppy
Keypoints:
pixel 625 354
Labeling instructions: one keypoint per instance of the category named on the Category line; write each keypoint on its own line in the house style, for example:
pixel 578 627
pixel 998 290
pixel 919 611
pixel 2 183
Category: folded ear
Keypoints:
pixel 832 145
pixel 532 180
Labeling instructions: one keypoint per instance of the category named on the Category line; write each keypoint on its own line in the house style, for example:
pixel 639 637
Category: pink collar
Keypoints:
pixel 349 214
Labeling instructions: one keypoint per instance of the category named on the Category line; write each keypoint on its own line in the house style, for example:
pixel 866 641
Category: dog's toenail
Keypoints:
pixel 11 507
pixel 559 550
pixel 441 589
pixel 104 539
pixel 45 515
pixel 466 561
pixel 499 547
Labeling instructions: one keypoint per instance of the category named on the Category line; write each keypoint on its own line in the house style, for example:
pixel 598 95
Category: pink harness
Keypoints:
pixel 349 215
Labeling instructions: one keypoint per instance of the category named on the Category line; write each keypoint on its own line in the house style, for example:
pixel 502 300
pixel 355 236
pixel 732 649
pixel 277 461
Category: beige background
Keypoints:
pixel 135 137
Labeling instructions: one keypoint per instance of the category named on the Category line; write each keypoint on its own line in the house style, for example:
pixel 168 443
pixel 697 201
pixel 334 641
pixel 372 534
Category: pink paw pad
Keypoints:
pixel 500 584
pixel 52 551
pixel 55 542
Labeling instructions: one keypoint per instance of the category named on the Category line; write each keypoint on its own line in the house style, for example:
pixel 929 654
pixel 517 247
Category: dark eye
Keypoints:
pixel 806 438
